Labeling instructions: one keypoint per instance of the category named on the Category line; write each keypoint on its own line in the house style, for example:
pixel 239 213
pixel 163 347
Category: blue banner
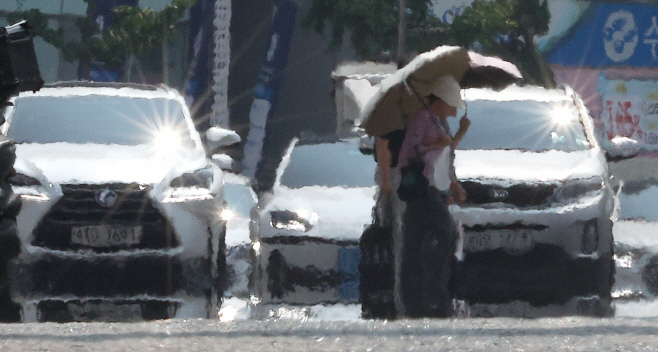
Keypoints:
pixel 283 25
pixel 611 34
pixel 199 76
pixel 269 82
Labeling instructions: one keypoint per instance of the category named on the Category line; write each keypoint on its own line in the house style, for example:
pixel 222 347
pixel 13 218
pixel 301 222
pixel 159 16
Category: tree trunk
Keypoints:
pixel 165 54
pixel 542 74
pixel 85 58
pixel 402 31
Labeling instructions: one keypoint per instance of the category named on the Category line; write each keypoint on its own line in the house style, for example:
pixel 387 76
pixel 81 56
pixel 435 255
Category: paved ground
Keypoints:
pixel 499 334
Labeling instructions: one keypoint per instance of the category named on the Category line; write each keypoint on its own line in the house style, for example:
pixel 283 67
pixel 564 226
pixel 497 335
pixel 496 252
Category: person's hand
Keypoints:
pixel 458 192
pixel 464 123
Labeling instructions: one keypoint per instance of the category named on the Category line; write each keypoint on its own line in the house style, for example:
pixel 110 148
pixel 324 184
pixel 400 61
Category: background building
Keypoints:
pixel 610 56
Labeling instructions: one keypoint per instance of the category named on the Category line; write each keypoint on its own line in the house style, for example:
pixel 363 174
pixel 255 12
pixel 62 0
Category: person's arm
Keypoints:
pixel 457 192
pixel 464 123
pixel 384 163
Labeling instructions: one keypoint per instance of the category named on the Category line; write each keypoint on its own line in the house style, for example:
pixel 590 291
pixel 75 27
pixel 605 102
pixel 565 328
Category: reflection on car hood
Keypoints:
pixel 342 212
pixel 94 163
pixel 515 165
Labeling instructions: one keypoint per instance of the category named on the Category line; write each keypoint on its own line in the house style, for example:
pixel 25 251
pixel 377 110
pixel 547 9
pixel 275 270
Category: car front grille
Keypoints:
pixel 79 207
pixel 520 195
pixel 60 311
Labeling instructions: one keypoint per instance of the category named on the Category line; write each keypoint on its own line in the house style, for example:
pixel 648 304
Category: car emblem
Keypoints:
pixel 106 198
pixel 498 194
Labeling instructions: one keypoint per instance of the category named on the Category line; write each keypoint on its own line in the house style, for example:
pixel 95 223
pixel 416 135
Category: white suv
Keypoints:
pixel 121 215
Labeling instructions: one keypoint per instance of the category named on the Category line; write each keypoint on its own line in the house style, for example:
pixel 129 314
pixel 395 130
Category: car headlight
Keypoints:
pixel 295 221
pixel 28 188
pixel 575 189
pixel 190 187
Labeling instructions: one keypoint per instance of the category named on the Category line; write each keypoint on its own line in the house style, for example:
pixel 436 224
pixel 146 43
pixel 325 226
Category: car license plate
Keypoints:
pixel 105 311
pixel 106 235
pixel 493 239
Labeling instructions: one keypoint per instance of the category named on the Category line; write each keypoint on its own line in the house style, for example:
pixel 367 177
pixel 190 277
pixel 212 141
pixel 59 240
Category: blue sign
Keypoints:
pixel 611 34
pixel 348 268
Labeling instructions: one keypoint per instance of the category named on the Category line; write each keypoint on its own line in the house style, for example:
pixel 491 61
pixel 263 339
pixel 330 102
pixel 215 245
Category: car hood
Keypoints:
pixel 519 166
pixel 94 163
pixel 341 212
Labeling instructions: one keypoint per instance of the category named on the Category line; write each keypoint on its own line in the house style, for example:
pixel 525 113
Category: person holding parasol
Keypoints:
pixel 420 183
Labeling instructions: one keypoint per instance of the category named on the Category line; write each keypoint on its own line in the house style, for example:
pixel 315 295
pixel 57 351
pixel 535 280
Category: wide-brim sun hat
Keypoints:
pixel 447 88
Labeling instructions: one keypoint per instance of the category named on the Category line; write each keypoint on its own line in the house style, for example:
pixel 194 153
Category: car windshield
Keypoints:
pixel 100 119
pixel 339 164
pixel 524 124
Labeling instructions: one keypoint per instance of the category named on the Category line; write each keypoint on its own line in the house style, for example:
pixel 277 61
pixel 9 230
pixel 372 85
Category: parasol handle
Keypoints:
pixel 412 89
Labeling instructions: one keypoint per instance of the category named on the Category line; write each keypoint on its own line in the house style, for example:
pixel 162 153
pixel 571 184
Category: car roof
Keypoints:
pixel 81 88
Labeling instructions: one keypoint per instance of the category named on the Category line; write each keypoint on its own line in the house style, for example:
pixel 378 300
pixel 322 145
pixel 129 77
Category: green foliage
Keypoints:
pixel 133 32
pixel 505 28
pixel 482 22
pixel 372 24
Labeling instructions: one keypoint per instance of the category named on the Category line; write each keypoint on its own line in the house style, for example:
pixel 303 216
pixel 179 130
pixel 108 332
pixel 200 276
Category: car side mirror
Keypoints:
pixel 620 148
pixel 224 161
pixel 221 137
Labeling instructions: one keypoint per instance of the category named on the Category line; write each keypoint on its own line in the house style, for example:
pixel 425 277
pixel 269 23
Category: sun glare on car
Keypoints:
pixel 166 141
pixel 562 115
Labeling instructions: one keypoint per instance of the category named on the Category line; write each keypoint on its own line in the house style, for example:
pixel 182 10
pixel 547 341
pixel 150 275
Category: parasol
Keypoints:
pixel 402 94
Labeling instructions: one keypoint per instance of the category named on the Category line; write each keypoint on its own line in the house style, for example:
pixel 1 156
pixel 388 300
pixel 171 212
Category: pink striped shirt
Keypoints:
pixel 424 130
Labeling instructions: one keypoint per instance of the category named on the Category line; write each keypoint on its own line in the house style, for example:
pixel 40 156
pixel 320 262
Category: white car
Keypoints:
pixel 240 202
pixel 636 223
pixel 536 228
pixel 307 230
pixel 121 215
pixel 537 222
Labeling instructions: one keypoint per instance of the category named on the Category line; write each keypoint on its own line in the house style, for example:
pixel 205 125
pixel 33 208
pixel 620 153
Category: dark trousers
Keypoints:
pixel 428 248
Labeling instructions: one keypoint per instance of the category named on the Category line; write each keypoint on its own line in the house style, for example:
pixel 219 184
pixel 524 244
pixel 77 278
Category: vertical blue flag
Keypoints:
pixel 269 82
